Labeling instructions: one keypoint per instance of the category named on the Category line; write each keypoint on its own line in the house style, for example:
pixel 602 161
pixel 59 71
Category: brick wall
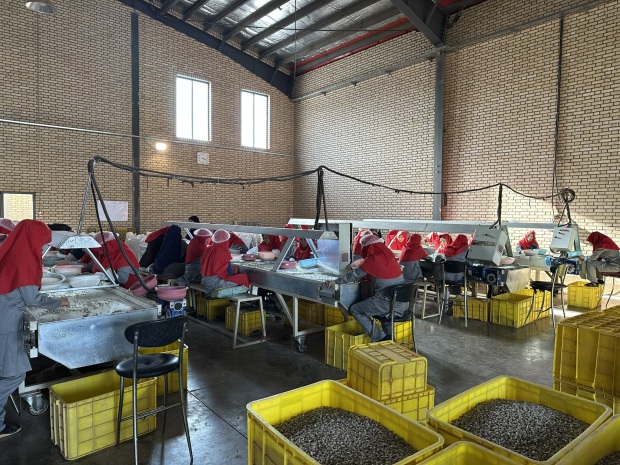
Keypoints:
pixel 85 82
pixel 499 119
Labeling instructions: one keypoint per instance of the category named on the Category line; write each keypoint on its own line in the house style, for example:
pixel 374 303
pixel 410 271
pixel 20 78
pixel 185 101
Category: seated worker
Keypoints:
pixel 6 226
pixel 432 239
pixel 21 270
pixel 116 260
pixel 456 251
pixel 410 258
pixel 197 246
pixel 284 238
pixel 302 250
pixel 380 266
pixel 193 219
pixel 444 241
pixel 216 270
pixel 528 242
pixel 605 258
pixel 357 247
pixel 396 240
pixel 98 252
pixel 153 244
pixel 236 243
pixel 270 244
pixel 171 256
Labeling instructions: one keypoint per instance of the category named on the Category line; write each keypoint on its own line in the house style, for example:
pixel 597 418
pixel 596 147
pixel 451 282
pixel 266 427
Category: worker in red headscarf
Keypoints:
pixel 410 257
pixel 444 241
pixel 528 242
pixel 154 242
pixel 216 270
pixel 284 238
pixel 379 266
pixel 357 247
pixel 195 249
pixel 21 270
pixel 270 244
pixel 396 240
pixel 455 252
pixel 605 258
pixel 432 239
pixel 116 260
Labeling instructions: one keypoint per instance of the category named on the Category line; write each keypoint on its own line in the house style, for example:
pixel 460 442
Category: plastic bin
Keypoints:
pixel 582 296
pixel 601 443
pixel 333 316
pixel 587 393
pixel 311 312
pixel 338 340
pixel 173 378
pixel 477 309
pixel 403 335
pixel 467 453
pixel 505 387
pixel 83 412
pixel 267 446
pixel 211 309
pixel 249 320
pixel 385 370
pixel 414 406
pixel 512 309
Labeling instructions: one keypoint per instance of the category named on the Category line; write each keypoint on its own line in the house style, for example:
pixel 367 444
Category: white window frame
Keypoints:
pixel 3 205
pixel 267 134
pixel 192 116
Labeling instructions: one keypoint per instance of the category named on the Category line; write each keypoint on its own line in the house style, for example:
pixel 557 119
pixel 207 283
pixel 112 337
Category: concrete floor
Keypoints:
pixel 222 381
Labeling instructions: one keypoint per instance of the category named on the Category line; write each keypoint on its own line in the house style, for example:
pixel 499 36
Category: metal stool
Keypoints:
pixel 424 284
pixel 551 286
pixel 239 299
pixel 613 276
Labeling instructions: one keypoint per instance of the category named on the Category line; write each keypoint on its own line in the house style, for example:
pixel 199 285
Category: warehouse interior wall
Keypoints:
pixel 84 80
pixel 500 96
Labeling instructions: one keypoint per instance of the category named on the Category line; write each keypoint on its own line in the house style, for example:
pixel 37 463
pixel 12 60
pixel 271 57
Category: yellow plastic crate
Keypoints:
pixel 385 370
pixel 267 446
pixel 582 296
pixel 211 309
pixel 311 312
pixel 173 378
pixel 413 406
pixel 403 335
pixel 538 302
pixel 587 393
pixel 607 371
pixel 477 309
pixel 333 316
pixel 601 443
pixel 83 412
pixel 249 320
pixel 512 309
pixel 338 340
pixel 505 387
pixel 467 453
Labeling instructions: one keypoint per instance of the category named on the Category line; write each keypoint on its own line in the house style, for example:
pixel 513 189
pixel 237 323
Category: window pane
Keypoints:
pixel 184 108
pixel 201 111
pixel 18 207
pixel 247 119
pixel 260 121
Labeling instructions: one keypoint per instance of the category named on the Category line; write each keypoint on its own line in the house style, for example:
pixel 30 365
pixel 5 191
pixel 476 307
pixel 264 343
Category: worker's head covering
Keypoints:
pixel 104 236
pixel 379 261
pixel 198 244
pixel 432 239
pixel 526 243
pixel 441 248
pixel 413 251
pixel 155 234
pixel 220 236
pixel 274 243
pixel 59 227
pixel 287 226
pixel 194 219
pixel 601 241
pixel 115 258
pixel 357 247
pixel 397 240
pixel 235 240
pixel 6 226
pixel 21 261
pixel 170 251
pixel 457 246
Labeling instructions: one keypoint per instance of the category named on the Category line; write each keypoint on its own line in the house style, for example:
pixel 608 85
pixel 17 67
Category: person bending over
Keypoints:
pixel 605 258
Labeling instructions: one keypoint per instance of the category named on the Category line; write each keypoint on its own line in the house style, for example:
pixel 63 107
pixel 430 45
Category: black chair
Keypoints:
pixel 400 293
pixel 452 266
pixel 153 334
pixel 425 284
pixel 558 275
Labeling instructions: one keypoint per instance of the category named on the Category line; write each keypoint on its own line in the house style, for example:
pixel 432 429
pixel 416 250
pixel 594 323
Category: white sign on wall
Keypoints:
pixel 118 210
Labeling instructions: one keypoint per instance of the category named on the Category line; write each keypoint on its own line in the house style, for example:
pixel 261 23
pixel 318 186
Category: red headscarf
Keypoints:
pixel 456 247
pixel 287 226
pixel 397 241
pixel 525 243
pixel 116 256
pixel 21 261
pixel 442 248
pixel 215 260
pixel 6 226
pixel 357 247
pixel 302 253
pixel 379 261
pixel 155 234
pixel 413 251
pixel 432 239
pixel 274 243
pixel 196 247
pixel 601 241
pixel 235 240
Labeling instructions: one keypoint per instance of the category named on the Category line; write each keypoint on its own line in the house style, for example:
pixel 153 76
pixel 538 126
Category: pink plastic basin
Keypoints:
pixel 139 291
pixel 288 265
pixel 171 292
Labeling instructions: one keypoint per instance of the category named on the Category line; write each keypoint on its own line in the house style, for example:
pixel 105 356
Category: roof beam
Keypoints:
pixel 258 14
pixel 367 23
pixel 331 19
pixel 278 79
pixel 223 13
pixel 427 17
pixel 167 5
pixel 193 9
pixel 302 12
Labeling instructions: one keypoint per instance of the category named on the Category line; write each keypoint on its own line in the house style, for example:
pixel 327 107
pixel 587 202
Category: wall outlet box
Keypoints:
pixel 203 158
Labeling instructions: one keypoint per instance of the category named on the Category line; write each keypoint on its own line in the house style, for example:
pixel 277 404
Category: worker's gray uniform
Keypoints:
pixel 14 361
pixel 377 305
pixel 192 273
pixel 412 270
pixel 601 261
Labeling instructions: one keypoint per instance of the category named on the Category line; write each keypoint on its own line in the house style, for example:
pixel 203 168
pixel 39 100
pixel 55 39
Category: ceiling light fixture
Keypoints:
pixel 42 6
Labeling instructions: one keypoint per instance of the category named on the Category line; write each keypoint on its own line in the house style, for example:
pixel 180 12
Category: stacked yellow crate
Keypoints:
pixel 211 309
pixel 338 340
pixel 392 375
pixel 333 316
pixel 586 358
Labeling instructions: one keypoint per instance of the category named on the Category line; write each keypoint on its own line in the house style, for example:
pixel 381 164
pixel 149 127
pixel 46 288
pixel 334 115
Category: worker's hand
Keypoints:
pixel 64 302
pixel 357 263
pixel 330 284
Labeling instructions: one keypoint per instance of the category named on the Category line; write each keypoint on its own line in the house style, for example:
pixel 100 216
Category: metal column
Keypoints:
pixel 135 117
pixel 438 140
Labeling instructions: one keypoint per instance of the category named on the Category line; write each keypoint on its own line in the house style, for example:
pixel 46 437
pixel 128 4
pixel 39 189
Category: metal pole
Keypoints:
pixel 438 139
pixel 135 117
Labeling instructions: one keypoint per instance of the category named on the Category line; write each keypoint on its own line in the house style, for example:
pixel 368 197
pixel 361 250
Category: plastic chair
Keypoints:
pixel 556 283
pixel 452 266
pixel 156 333
pixel 400 293
pixel 425 283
